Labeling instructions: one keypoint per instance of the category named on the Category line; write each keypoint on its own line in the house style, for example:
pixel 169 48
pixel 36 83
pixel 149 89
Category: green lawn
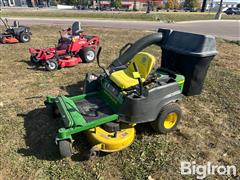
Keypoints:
pixel 161 16
pixel 209 130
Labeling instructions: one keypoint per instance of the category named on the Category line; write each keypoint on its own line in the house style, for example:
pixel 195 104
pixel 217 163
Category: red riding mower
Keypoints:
pixel 15 33
pixel 73 47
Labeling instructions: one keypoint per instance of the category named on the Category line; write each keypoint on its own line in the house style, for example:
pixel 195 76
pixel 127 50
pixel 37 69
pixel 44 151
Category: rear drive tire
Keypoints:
pixel 24 37
pixel 87 54
pixel 168 118
pixel 51 65
pixel 65 148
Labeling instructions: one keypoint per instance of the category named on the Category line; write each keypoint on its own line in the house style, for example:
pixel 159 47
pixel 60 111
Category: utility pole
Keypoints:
pixel 148 7
pixel 218 15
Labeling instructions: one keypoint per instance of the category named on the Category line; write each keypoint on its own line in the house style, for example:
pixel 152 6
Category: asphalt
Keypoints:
pixel 226 29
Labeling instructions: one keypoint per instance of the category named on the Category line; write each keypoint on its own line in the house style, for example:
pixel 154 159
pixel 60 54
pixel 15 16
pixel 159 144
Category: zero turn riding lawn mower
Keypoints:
pixel 132 91
pixel 15 33
pixel 73 47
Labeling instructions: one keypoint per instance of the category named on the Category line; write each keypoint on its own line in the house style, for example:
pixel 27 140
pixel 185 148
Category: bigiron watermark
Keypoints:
pixel 202 171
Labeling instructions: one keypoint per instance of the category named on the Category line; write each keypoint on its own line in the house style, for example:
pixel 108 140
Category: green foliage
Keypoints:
pixel 192 3
pixel 116 3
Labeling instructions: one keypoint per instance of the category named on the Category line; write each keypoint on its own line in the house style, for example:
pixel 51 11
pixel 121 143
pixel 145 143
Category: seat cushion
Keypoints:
pixel 124 79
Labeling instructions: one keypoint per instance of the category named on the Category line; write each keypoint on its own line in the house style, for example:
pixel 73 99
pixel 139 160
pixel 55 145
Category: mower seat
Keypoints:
pixel 15 24
pixel 125 78
pixel 76 28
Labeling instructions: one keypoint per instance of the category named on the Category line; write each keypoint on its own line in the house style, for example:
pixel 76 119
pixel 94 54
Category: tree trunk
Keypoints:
pixel 218 15
pixel 134 5
pixel 204 5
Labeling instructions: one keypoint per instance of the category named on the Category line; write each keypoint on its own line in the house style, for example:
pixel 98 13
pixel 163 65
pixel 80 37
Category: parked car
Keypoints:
pixel 231 11
pixel 190 9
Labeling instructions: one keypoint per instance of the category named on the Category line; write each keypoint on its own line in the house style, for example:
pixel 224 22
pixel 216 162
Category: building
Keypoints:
pixel 21 3
pixel 128 4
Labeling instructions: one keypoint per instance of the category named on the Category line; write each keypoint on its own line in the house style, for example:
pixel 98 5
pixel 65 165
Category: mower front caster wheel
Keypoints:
pixel 168 118
pixel 65 148
pixel 94 153
pixel 53 110
pixel 51 65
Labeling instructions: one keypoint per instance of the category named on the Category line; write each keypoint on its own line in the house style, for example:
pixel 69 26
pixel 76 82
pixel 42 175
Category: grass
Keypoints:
pixel 209 130
pixel 160 16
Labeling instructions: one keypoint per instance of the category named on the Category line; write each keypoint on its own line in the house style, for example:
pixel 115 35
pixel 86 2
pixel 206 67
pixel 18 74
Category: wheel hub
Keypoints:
pixel 51 65
pixel 90 55
pixel 25 38
pixel 170 120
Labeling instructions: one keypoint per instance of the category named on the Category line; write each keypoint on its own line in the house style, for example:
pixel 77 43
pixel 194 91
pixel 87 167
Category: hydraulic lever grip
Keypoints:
pixel 139 79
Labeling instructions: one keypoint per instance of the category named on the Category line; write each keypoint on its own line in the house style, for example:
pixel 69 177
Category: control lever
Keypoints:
pixel 98 61
pixel 139 79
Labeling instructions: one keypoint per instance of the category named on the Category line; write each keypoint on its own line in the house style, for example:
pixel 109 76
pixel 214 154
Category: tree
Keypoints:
pixel 176 4
pixel 170 4
pixel 192 3
pixel 116 3
pixel 134 5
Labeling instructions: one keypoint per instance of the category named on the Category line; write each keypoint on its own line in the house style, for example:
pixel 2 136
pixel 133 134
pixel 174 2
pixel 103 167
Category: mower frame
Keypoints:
pixel 16 33
pixel 69 51
pixel 143 103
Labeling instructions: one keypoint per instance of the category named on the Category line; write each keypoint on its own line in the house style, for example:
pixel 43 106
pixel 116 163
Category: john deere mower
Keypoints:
pixel 73 48
pixel 133 90
pixel 15 33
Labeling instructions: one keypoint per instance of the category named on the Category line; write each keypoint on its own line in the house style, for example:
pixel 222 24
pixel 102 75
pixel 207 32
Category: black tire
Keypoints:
pixel 34 59
pixel 65 148
pixel 87 54
pixel 24 37
pixel 2 41
pixel 53 110
pixel 168 118
pixel 51 65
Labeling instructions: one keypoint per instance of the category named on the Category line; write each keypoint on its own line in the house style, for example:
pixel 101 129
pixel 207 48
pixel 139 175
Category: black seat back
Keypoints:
pixel 15 24
pixel 76 28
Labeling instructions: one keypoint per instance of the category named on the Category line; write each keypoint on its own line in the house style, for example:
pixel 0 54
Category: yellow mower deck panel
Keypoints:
pixel 107 142
pixel 126 78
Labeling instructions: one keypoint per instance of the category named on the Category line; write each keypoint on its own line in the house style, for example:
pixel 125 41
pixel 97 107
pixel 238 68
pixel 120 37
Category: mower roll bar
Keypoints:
pixel 155 38
pixel 5 23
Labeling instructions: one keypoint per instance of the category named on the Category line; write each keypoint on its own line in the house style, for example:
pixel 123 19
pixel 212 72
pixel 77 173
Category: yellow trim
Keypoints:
pixel 170 120
pixel 107 142
pixel 181 82
pixel 136 75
